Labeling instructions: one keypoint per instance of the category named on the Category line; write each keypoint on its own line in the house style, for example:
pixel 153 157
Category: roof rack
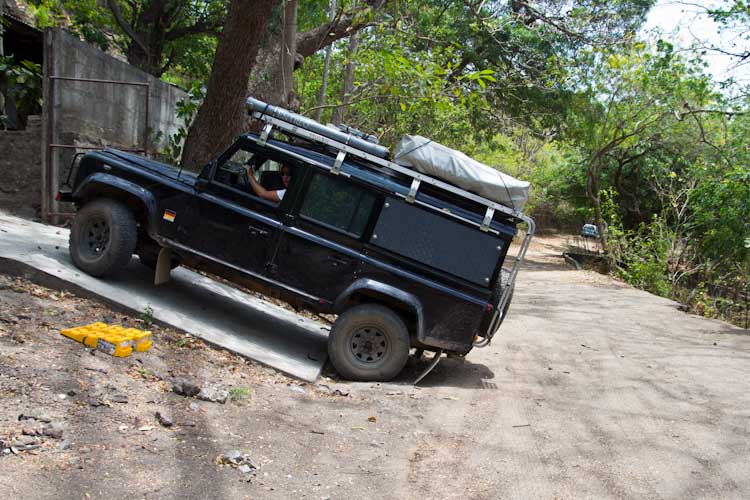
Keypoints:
pixel 348 144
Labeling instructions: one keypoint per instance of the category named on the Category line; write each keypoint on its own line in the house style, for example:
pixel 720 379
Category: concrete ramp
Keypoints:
pixel 217 313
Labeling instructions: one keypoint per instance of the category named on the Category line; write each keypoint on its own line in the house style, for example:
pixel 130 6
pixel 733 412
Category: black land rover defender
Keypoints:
pixel 405 260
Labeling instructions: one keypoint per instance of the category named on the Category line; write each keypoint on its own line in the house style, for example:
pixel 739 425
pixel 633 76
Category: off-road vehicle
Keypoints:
pixel 405 259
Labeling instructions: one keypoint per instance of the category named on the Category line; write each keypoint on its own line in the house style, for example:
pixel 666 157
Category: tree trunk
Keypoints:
pixel 271 78
pixel 147 35
pixel 324 83
pixel 223 112
pixel 2 31
pixel 150 62
pixel 326 68
pixel 156 23
pixel 288 48
pixel 339 114
pixel 267 82
pixel 593 186
pixel 241 52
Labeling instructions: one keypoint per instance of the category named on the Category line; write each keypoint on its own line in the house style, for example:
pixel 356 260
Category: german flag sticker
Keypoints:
pixel 169 216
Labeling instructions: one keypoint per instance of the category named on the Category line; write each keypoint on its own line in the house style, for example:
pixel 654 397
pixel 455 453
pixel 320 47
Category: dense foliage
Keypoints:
pixel 21 82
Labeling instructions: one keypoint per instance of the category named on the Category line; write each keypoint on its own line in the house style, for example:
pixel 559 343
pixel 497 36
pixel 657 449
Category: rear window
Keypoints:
pixel 338 204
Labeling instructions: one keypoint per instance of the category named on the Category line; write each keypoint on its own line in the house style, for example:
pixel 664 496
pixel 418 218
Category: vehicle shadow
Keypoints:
pixel 449 372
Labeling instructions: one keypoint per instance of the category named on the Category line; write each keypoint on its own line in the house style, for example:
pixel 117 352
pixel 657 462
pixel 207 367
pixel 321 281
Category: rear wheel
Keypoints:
pixel 103 237
pixel 369 342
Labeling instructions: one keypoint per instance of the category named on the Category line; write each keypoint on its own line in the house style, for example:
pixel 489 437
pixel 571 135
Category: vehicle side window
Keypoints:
pixel 235 170
pixel 232 172
pixel 337 203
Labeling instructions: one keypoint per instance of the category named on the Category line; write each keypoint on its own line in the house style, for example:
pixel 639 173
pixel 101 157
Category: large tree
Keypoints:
pixel 154 35
pixel 629 114
pixel 486 61
pixel 287 48
pixel 268 76
pixel 223 111
pixel 153 27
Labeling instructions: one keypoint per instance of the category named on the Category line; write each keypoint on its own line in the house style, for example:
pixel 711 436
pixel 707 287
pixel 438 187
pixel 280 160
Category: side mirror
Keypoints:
pixel 207 171
pixel 201 184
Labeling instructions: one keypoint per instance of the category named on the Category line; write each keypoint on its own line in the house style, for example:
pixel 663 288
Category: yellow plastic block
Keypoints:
pixel 143 346
pixel 112 339
pixel 141 338
pixel 93 339
pixel 81 332
pixel 111 343
pixel 115 345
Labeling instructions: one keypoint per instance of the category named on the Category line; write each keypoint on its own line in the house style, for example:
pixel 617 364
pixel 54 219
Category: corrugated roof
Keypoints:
pixel 12 11
pixel 20 20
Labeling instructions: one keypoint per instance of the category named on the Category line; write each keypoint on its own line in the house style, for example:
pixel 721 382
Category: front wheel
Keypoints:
pixel 103 237
pixel 369 342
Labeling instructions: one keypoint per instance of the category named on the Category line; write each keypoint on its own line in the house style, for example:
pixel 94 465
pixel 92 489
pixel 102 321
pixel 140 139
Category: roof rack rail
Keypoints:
pixel 348 144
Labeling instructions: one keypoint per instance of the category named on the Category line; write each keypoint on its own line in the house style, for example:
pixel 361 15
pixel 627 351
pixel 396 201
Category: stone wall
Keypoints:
pixel 21 169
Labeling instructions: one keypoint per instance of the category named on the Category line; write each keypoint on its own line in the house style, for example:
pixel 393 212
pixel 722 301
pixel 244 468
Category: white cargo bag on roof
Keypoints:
pixel 436 160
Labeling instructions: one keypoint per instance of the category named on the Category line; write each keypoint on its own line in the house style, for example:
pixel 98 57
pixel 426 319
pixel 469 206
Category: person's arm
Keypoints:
pixel 260 190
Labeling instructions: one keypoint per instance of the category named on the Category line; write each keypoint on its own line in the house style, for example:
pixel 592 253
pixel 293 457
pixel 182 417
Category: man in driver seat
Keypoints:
pixel 267 194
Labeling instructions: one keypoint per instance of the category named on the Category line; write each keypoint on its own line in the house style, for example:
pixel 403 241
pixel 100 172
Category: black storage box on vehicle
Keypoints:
pixel 439 242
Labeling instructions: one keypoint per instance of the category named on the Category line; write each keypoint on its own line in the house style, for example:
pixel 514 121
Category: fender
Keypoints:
pixel 112 184
pixel 367 284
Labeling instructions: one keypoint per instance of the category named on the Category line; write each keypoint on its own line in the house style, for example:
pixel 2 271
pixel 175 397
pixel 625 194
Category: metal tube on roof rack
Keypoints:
pixel 362 135
pixel 254 105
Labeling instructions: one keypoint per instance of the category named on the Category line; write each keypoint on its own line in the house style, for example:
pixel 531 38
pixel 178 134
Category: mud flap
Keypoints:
pixel 163 266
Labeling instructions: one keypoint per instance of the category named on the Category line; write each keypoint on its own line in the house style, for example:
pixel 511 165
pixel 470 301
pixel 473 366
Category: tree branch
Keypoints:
pixel 315 39
pixel 199 28
pixel 117 13
pixel 168 63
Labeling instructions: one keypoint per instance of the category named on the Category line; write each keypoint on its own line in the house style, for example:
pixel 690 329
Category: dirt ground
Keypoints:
pixel 591 390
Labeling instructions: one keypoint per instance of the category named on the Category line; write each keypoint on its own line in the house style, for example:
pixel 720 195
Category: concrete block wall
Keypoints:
pixel 105 113
pixel 21 169
pixel 98 114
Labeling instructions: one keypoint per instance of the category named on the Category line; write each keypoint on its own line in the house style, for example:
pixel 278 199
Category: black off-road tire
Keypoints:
pixel 103 237
pixel 369 342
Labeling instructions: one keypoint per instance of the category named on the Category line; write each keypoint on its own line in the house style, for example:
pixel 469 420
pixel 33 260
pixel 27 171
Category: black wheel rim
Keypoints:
pixel 94 238
pixel 369 345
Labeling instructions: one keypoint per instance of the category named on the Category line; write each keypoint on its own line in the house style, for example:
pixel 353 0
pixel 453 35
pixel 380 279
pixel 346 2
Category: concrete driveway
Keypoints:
pixel 190 302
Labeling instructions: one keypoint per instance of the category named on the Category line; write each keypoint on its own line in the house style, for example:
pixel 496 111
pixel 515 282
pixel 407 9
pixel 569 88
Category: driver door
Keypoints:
pixel 229 223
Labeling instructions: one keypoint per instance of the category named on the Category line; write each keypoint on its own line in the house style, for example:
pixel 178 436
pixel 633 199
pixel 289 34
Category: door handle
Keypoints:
pixel 336 261
pixel 256 231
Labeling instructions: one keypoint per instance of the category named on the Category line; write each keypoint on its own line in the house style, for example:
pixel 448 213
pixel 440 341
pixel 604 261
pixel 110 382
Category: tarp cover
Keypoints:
pixel 434 159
